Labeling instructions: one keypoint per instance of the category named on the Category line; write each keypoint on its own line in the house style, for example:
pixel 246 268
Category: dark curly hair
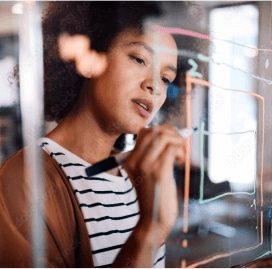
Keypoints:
pixel 101 22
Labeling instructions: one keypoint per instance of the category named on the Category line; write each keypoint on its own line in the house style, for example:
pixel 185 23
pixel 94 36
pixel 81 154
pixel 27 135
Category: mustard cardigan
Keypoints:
pixel 67 239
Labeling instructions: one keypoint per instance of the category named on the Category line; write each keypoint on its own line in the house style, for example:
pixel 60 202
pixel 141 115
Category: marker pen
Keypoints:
pixel 115 161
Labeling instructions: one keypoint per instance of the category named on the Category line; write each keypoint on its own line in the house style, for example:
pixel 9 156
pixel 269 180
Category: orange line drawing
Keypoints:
pixel 189 81
pixel 221 256
pixel 188 151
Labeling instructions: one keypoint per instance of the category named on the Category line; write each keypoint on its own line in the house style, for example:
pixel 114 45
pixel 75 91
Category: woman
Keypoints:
pixel 106 101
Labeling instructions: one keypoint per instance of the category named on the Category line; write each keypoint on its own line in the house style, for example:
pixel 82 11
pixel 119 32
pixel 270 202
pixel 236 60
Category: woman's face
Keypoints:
pixel 115 96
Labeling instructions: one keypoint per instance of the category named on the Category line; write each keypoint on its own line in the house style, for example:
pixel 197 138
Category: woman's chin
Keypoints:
pixel 130 125
pixel 135 129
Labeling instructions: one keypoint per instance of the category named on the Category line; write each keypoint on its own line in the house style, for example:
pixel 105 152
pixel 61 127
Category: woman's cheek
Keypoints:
pixel 163 97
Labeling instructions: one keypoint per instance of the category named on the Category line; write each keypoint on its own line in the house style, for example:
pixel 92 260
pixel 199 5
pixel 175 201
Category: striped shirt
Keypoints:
pixel 108 203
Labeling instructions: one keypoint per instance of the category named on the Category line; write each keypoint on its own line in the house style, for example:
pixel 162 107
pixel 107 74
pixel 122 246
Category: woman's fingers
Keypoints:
pixel 77 48
pixel 168 156
pixel 160 144
pixel 151 162
pixel 148 139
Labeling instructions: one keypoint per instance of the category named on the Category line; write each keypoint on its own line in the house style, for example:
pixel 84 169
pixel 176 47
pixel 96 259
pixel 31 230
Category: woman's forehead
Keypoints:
pixel 131 38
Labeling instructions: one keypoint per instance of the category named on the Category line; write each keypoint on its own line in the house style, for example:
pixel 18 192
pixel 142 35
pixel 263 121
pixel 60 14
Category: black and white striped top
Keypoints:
pixel 108 203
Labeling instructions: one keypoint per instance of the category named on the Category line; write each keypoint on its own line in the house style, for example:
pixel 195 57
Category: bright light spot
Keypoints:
pixel 130 143
pixel 266 63
pixel 250 124
pixel 239 63
pixel 17 8
pixel 251 53
pixel 235 22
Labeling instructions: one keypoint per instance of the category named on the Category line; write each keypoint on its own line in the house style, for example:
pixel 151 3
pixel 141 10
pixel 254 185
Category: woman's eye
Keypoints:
pixel 138 60
pixel 165 80
pixel 141 61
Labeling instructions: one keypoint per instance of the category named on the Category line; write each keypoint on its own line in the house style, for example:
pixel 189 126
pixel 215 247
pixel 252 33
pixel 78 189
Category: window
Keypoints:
pixel 238 113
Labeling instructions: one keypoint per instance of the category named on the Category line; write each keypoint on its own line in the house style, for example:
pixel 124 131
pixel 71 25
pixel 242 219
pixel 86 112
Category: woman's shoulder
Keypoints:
pixel 60 212
pixel 17 166
pixel 16 186
pixel 13 166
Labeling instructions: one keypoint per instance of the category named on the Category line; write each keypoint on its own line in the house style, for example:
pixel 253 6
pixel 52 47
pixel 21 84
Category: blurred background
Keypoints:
pixel 226 156
pixel 11 139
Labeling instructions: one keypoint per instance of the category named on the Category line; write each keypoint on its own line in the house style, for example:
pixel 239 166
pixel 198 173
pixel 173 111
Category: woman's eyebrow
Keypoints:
pixel 172 68
pixel 143 45
pixel 149 49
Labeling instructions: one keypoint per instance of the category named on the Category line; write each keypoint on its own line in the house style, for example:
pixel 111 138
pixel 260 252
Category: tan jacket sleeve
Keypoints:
pixel 67 241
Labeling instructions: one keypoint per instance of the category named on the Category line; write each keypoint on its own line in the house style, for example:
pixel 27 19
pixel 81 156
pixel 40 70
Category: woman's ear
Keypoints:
pixel 76 48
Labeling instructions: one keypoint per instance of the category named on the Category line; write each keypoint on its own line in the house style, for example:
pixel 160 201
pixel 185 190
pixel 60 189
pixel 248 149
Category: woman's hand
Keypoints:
pixel 151 161
pixel 76 48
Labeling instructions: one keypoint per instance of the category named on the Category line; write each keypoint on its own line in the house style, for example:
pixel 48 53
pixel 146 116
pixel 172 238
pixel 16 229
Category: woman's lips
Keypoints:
pixel 141 110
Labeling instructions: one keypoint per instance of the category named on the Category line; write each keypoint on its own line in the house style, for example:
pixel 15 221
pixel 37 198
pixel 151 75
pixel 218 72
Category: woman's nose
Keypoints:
pixel 149 85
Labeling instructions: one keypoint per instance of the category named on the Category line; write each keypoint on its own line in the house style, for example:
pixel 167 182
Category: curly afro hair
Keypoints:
pixel 101 22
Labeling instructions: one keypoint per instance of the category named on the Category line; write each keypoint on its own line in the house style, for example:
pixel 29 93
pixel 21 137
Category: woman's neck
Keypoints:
pixel 79 133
